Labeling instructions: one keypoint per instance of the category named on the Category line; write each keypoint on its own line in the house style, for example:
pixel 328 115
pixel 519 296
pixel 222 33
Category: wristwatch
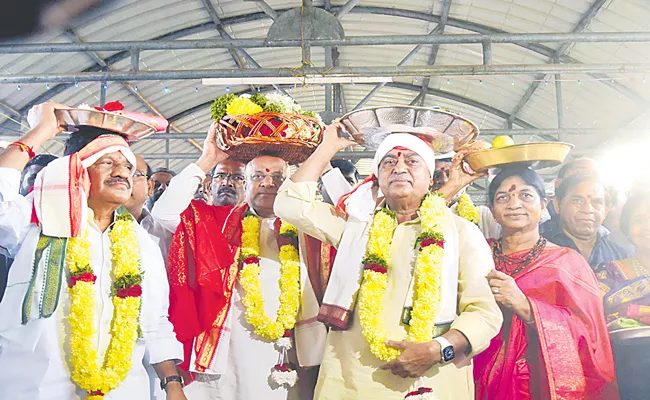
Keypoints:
pixel 172 378
pixel 446 349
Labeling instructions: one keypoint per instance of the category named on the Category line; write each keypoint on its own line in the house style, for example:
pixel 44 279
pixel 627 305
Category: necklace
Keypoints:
pixel 86 371
pixel 504 262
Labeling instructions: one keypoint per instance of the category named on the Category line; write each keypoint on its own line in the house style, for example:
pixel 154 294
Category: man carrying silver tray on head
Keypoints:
pixel 408 289
pixel 86 306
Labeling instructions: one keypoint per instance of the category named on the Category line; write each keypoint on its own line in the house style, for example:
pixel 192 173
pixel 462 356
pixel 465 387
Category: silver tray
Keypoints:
pixel 73 117
pixel 367 126
pixel 630 333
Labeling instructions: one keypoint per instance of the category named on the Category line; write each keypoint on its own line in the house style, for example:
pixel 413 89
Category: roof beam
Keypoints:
pixel 435 31
pixel 128 86
pixel 584 21
pixel 404 86
pixel 234 53
pixel 370 40
pixel 444 16
pixel 346 8
pixel 394 12
pixel 342 72
pixel 404 61
pixel 207 6
pixel 268 10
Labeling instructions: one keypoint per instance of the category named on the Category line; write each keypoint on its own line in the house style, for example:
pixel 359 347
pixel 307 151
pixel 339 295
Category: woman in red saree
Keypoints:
pixel 554 342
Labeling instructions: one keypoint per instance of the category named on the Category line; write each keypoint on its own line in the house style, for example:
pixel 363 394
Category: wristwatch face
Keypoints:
pixel 448 353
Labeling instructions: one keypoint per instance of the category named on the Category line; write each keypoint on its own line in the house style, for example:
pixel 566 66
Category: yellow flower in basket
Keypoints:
pixel 242 106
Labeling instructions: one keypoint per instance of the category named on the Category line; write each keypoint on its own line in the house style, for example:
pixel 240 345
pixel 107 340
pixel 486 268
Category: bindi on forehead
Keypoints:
pixel 512 188
pixel 267 170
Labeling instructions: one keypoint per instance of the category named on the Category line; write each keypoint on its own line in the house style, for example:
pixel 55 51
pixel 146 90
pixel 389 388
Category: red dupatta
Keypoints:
pixel 566 352
pixel 202 270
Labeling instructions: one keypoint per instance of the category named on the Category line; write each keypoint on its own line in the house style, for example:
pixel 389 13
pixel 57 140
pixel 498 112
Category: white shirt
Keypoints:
pixel 243 360
pixel 160 235
pixel 33 357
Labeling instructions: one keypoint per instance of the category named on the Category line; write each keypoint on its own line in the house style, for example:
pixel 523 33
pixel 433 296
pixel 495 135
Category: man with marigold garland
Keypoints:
pixel 422 305
pixel 237 280
pixel 85 308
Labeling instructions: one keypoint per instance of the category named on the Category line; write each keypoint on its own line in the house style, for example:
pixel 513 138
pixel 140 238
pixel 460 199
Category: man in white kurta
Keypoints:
pixel 241 367
pixel 34 356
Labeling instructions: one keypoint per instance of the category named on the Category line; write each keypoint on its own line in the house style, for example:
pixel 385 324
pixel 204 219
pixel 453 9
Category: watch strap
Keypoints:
pixel 173 378
pixel 444 343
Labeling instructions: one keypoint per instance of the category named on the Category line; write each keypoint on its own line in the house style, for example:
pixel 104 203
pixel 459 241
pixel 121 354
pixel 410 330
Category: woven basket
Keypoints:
pixel 292 137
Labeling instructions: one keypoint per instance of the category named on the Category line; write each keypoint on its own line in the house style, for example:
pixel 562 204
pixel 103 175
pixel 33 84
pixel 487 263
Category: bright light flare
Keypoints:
pixel 622 166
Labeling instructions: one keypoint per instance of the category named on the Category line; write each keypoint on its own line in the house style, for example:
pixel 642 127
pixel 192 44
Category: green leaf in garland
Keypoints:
pixel 374 259
pixel 259 99
pixel 127 281
pixel 219 106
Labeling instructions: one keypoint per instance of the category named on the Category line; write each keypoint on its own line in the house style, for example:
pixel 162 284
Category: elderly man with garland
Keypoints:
pixel 235 277
pixel 423 307
pixel 87 298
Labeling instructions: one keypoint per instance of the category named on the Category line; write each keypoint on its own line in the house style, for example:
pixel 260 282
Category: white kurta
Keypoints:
pixel 33 357
pixel 243 362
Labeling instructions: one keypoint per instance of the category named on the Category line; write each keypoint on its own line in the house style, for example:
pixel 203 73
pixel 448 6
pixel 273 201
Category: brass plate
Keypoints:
pixel 535 155
pixel 134 130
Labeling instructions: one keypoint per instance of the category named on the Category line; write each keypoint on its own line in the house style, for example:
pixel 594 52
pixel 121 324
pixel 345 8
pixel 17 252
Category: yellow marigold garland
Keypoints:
pixel 249 280
pixel 467 210
pixel 99 379
pixel 427 275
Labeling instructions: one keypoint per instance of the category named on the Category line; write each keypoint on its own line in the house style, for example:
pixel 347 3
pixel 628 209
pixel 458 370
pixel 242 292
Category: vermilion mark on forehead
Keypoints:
pixel 400 148
pixel 267 170
pixel 512 188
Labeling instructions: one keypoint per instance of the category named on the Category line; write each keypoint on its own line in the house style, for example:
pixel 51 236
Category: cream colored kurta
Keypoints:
pixel 349 370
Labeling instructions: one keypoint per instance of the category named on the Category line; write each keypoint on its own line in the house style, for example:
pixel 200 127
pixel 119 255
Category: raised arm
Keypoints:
pixel 458 177
pixel 17 156
pixel 171 204
pixel 313 168
pixel 296 200
pixel 15 210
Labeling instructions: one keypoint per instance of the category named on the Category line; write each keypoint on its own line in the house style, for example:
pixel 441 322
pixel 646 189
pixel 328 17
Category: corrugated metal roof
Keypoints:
pixel 588 104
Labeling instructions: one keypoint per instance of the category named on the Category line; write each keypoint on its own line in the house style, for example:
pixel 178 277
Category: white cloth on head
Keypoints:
pixel 41 346
pixel 408 141
pixel 61 188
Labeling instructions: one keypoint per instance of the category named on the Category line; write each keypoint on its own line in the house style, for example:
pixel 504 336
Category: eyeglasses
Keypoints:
pixel 236 178
pixel 139 174
pixel 276 178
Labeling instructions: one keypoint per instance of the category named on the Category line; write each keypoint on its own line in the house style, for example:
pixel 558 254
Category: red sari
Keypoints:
pixel 565 353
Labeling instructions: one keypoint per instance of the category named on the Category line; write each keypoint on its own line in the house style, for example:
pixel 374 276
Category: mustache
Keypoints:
pixel 118 179
pixel 227 190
